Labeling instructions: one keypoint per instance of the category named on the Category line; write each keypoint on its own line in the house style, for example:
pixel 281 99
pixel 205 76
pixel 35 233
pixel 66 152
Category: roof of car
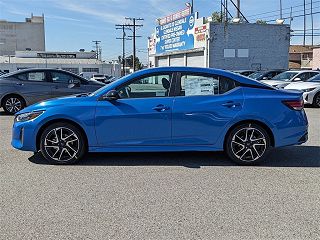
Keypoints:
pixel 225 73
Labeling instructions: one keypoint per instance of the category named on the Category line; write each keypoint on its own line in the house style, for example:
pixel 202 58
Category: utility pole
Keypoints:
pixel 304 22
pixel 280 9
pixel 134 25
pixel 123 38
pixel 238 8
pixel 311 6
pixel 97 42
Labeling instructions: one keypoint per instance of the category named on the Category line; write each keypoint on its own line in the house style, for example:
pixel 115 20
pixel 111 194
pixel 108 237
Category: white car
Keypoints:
pixel 283 79
pixel 310 88
pixel 98 77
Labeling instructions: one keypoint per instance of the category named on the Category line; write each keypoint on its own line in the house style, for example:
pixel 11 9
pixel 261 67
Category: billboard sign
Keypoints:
pixel 176 35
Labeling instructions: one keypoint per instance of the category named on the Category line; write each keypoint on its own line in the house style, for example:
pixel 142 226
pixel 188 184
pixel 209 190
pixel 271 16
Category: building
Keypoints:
pixel 76 62
pixel 316 58
pixel 300 57
pixel 21 36
pixel 186 40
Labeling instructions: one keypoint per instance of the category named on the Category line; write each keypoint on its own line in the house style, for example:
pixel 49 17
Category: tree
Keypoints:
pixel 260 21
pixel 129 62
pixel 216 17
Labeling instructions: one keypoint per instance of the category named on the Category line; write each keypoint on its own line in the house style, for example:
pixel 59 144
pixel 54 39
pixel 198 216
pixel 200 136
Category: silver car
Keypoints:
pixel 25 87
pixel 283 79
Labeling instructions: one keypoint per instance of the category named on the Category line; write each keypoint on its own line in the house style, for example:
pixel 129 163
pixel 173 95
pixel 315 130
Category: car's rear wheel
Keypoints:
pixel 316 100
pixel 62 143
pixel 12 104
pixel 247 144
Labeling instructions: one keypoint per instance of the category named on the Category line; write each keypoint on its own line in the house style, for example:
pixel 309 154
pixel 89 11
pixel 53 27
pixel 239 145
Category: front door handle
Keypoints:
pixel 161 108
pixel 19 84
pixel 231 104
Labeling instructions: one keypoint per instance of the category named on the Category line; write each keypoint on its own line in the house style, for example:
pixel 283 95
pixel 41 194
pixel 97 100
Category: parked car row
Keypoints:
pixel 307 81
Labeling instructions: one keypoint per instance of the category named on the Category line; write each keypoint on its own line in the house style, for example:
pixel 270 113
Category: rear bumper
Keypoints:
pixel 294 132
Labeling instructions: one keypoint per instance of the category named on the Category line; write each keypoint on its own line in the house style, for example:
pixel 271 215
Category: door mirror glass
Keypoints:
pixel 111 95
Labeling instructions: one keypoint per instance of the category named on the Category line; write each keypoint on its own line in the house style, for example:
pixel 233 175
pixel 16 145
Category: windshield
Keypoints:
pixel 285 76
pixel 316 78
pixel 256 75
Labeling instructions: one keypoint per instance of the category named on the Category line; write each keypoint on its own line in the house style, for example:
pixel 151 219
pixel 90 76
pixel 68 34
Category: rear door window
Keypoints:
pixel 37 76
pixel 198 84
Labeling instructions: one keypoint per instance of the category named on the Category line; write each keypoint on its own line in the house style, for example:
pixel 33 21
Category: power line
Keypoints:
pixel 287 13
pixel 301 5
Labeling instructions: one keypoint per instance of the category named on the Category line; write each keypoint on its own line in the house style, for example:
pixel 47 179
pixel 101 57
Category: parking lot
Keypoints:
pixel 161 195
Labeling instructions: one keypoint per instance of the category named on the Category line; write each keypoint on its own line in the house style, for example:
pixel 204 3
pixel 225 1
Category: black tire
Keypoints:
pixel 316 100
pixel 67 149
pixel 247 144
pixel 12 104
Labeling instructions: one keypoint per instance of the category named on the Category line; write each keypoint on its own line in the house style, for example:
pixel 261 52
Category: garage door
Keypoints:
pixel 195 59
pixel 177 60
pixel 162 61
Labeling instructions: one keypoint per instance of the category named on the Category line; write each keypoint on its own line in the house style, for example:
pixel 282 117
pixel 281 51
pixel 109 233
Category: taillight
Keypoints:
pixel 294 104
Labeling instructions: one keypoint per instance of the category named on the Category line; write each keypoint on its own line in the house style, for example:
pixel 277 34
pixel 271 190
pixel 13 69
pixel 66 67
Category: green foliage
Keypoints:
pixel 260 21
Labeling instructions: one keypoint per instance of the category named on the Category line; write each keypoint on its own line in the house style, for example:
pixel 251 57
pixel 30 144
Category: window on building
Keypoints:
pixel 90 70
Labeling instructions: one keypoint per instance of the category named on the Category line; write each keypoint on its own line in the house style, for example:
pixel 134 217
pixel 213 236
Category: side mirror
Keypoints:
pixel 297 79
pixel 265 78
pixel 112 95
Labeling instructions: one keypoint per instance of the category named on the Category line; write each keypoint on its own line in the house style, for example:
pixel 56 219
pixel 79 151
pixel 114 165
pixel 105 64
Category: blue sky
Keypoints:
pixel 73 24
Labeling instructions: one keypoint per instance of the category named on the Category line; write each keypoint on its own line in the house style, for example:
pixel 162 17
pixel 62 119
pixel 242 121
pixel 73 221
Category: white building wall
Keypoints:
pixel 19 36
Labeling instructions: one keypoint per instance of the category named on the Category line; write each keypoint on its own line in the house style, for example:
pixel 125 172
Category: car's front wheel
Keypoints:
pixel 13 104
pixel 247 144
pixel 62 143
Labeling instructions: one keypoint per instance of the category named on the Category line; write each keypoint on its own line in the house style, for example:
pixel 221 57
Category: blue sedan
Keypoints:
pixel 166 109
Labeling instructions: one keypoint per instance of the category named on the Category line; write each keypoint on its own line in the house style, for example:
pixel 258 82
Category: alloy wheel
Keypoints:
pixel 61 144
pixel 13 104
pixel 248 144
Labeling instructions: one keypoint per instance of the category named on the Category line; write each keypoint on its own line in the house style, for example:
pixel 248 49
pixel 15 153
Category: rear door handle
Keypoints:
pixel 231 104
pixel 161 108
pixel 19 84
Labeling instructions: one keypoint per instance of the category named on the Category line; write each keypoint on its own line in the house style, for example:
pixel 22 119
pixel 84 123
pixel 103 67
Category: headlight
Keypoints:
pixel 28 116
pixel 308 89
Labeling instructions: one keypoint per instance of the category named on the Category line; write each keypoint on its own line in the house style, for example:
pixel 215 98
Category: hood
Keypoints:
pixel 303 85
pixel 54 102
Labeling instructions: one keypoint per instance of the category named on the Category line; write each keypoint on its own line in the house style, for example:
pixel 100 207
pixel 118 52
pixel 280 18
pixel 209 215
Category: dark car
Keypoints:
pixel 244 72
pixel 25 87
pixel 265 75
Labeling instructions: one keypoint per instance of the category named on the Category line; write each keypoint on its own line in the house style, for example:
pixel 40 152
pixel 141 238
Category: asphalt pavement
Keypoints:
pixel 161 195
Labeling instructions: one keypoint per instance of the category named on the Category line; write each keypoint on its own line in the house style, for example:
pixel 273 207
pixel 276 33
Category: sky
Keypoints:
pixel 71 25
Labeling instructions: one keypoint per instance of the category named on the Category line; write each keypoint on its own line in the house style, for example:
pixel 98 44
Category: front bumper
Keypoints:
pixel 308 97
pixel 24 136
